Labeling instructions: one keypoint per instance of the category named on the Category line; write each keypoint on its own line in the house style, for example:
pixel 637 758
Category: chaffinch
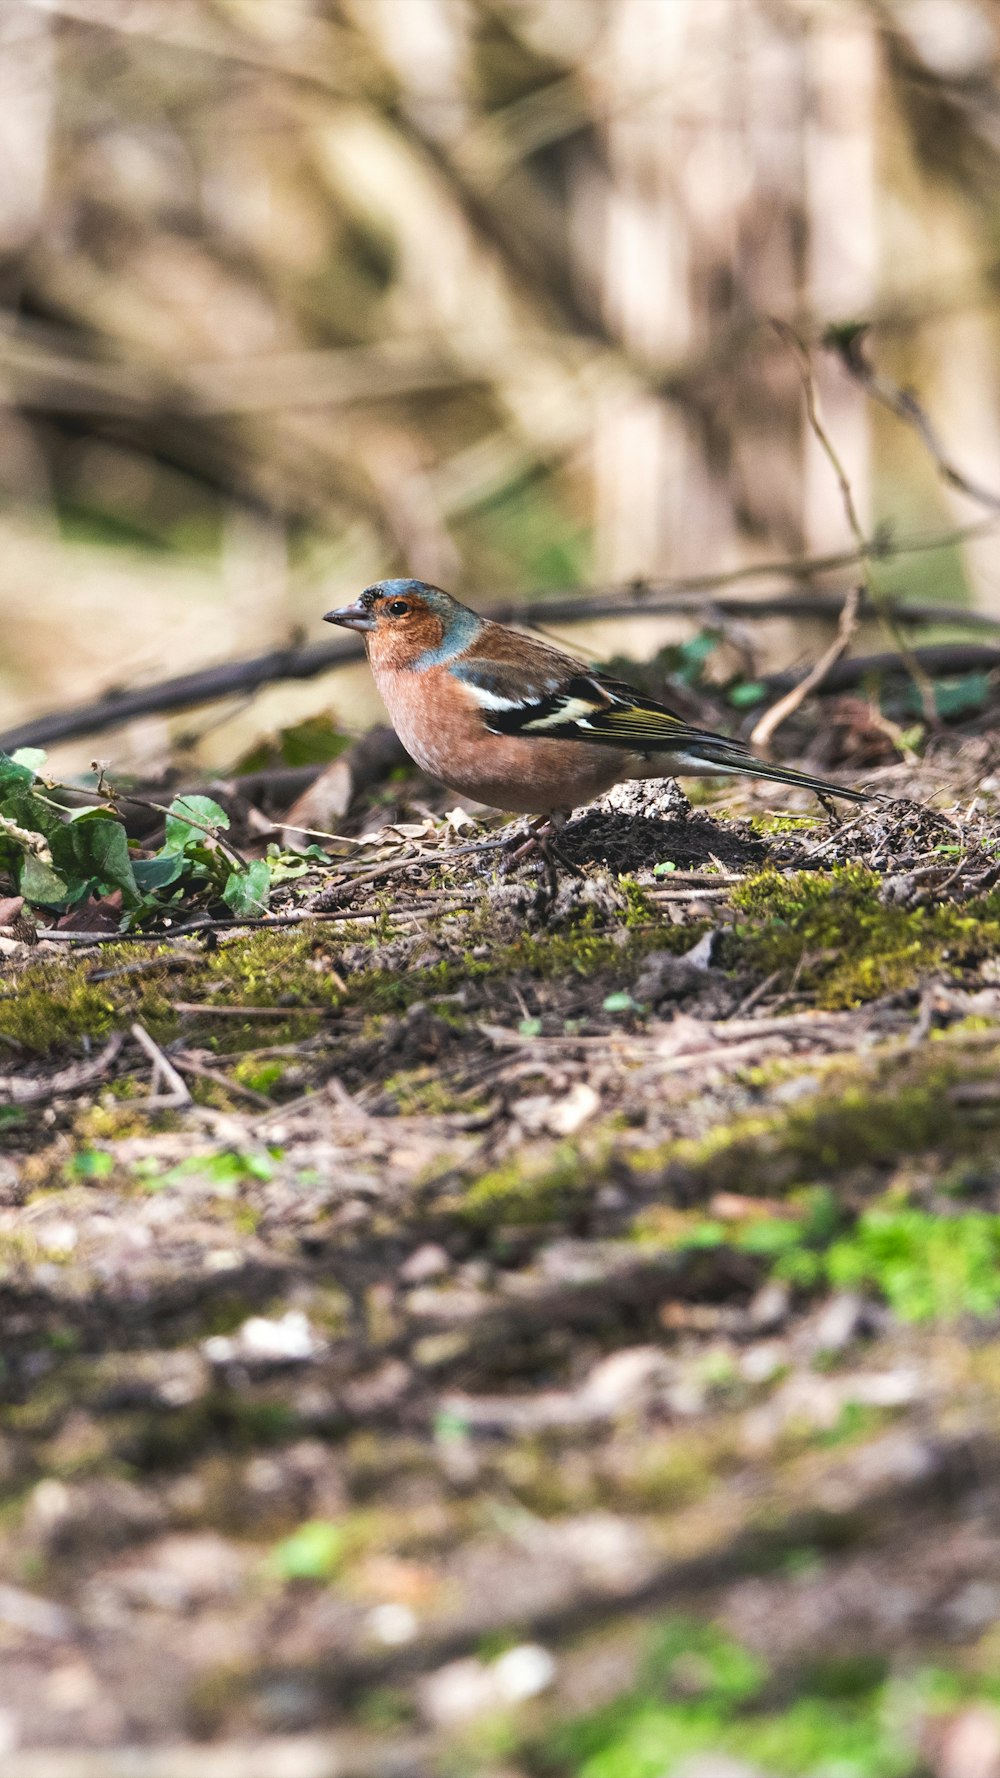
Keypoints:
pixel 511 722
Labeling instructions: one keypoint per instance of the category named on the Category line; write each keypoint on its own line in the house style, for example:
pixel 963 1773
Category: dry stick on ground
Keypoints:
pixel 188 1064
pixel 787 706
pixel 16 1090
pixel 177 1093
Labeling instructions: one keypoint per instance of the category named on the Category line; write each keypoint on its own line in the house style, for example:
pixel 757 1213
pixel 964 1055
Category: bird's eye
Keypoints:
pixel 398 608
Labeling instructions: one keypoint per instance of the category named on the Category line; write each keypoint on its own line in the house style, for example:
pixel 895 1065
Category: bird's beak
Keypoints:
pixel 351 617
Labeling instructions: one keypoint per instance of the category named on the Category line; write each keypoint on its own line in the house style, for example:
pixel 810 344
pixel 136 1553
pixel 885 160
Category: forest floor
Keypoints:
pixel 457 1333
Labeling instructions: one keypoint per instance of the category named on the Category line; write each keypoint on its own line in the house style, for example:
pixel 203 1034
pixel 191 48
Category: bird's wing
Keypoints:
pixel 525 688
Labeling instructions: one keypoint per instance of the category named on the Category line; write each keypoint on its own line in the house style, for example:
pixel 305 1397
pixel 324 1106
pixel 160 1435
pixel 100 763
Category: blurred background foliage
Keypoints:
pixel 298 293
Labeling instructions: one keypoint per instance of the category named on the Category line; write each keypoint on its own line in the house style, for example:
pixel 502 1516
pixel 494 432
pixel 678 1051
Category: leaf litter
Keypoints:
pixel 510 1272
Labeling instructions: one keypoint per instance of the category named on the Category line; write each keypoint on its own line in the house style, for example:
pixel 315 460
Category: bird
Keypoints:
pixel 521 726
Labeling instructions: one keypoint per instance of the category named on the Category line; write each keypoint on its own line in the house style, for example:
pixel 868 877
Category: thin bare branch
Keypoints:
pixel 849 346
pixel 919 677
pixel 772 719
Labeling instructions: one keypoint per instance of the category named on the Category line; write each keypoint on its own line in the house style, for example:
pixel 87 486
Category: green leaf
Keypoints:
pixel 620 1002
pixel 188 819
pixel 40 884
pixel 156 873
pixel 32 758
pixel 955 697
pixel 246 891
pixel 312 1552
pixel 694 653
pixel 745 695
pixel 100 852
pixel 14 771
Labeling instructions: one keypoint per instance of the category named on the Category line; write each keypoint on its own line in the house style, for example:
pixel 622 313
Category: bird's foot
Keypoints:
pixel 541 844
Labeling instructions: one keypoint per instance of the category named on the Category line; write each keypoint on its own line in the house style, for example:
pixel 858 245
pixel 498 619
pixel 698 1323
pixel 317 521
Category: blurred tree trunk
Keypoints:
pixel 740 180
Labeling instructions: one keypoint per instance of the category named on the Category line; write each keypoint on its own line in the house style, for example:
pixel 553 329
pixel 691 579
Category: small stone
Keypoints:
pixel 763 1362
pixel 567 1115
pixel 626 1379
pixel 523 1672
pixel 976 1606
pixel 769 1308
pixel 838 1323
pixel 457 1693
pixel 424 1263
pixel 970 1745
pixel 50 1503
pixel 71 1687
pixel 20 1610
pixel 59 1239
pixel 380 1389
pixel 667 977
pixel 393 1624
pixel 260 1342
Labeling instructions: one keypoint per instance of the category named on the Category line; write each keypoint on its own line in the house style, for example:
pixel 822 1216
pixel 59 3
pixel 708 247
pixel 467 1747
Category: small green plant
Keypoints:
pixel 928 1267
pixel 314 1551
pixel 702 1693
pixel 57 857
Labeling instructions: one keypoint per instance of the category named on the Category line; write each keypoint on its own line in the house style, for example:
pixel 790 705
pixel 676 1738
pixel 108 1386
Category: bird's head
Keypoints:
pixel 406 623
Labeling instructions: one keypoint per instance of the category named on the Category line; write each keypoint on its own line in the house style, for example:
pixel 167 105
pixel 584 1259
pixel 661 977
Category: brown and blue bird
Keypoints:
pixel 511 722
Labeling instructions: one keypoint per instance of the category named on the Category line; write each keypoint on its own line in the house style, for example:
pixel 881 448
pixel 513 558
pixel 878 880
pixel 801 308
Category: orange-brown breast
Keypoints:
pixel 441 727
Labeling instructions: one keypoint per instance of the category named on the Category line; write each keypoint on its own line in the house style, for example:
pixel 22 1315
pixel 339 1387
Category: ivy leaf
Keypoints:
pixel 14 772
pixel 157 873
pixel 246 891
pixel 32 758
pixel 40 884
pixel 187 820
pixel 100 853
pixel 961 696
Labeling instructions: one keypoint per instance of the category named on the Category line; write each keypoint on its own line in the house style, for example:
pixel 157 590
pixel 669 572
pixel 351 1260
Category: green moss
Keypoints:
pixel 262 1075
pixel 55 1001
pixel 903 1107
pixel 844 945
pixel 529 1192
pixel 774 823
pixel 420 1092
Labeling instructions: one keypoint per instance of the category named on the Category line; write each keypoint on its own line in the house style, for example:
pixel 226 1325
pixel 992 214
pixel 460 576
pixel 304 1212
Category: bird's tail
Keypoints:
pixel 728 756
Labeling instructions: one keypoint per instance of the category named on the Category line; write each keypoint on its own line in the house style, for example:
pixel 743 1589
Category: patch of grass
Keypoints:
pixel 703 1693
pixel 846 945
pixel 927 1266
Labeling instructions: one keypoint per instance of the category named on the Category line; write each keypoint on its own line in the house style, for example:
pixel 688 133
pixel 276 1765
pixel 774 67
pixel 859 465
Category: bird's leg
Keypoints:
pixel 550 851
pixel 541 842
pixel 518 850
